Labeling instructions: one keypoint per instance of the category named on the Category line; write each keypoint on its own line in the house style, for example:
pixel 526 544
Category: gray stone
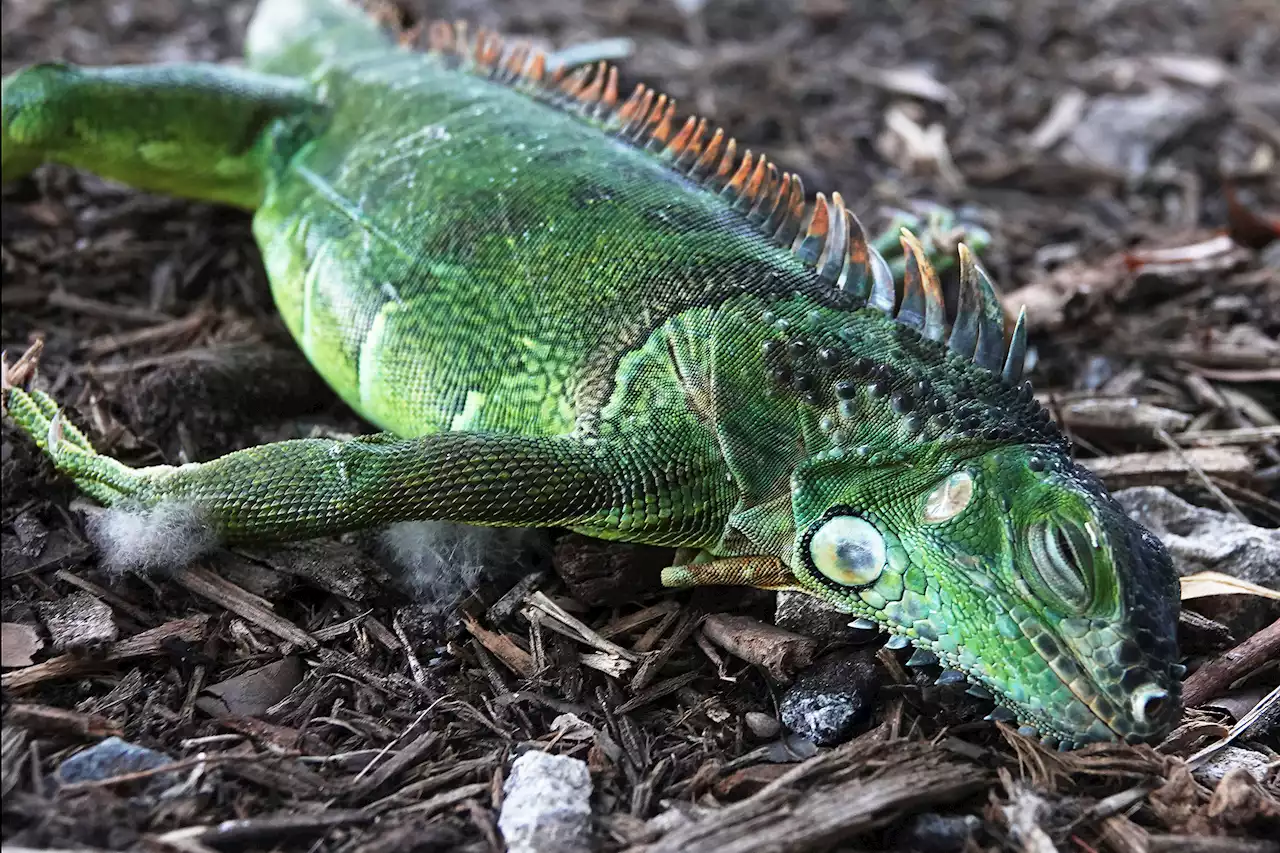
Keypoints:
pixel 935 833
pixel 546 807
pixel 110 758
pixel 761 725
pixel 1202 539
pixel 1220 763
pixel 830 699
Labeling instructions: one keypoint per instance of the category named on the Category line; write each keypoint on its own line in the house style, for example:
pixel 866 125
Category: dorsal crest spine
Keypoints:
pixel 822 234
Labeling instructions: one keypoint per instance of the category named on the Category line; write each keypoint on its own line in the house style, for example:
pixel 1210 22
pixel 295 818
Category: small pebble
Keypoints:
pixel 110 758
pixel 546 807
pixel 762 725
pixel 833 697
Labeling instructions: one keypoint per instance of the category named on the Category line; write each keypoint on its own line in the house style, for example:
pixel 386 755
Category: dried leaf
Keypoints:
pixel 1204 584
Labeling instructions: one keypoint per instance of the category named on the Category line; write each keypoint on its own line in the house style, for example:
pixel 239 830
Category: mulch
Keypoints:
pixel 305 697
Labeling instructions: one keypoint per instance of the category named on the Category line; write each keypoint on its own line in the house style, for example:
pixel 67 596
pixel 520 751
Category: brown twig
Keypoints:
pixel 1213 489
pixel 779 652
pixel 1214 677
pixel 22 370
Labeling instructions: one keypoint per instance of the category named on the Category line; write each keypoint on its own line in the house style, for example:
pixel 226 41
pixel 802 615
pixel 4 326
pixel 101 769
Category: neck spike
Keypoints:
pixel 822 234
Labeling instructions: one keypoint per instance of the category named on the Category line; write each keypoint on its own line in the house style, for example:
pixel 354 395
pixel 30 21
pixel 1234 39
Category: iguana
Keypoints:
pixel 568 309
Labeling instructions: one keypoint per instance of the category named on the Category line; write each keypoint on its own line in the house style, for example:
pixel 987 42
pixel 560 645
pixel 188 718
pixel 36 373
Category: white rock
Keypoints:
pixel 1229 758
pixel 546 807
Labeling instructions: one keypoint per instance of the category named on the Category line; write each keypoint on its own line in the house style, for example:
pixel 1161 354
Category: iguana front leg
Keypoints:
pixel 312 487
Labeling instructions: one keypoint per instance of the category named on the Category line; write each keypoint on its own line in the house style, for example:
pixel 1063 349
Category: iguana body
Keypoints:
pixel 566 311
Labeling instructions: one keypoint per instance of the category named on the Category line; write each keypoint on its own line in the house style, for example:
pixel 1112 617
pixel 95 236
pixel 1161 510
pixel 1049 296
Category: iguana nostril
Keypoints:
pixel 1149 702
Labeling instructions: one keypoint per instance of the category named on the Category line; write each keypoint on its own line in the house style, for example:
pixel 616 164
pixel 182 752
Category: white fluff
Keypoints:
pixel 443 561
pixel 165 537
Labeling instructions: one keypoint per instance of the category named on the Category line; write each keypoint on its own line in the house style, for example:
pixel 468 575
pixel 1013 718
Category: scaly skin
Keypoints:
pixel 556 327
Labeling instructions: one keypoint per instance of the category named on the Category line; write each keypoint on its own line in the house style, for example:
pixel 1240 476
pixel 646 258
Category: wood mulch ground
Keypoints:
pixel 1122 153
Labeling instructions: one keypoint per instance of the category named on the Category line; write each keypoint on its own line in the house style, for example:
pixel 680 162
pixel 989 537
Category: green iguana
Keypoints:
pixel 568 309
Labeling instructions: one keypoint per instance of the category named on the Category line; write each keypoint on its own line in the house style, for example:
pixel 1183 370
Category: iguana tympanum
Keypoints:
pixel 568 309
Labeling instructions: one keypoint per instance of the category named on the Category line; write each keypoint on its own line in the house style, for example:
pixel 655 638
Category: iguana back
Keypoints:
pixel 454 252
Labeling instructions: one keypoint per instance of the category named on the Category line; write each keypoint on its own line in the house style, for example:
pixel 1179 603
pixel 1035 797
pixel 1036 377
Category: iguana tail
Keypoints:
pixel 202 131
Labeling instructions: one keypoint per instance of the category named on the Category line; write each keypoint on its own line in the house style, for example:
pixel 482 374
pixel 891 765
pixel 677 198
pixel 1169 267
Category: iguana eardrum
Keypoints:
pixel 566 308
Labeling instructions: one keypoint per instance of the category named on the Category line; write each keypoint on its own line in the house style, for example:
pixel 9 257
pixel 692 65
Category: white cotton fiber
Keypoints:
pixel 165 537
pixel 443 561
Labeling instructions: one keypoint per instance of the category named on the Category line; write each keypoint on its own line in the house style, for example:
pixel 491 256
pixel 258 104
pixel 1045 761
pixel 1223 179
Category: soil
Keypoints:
pixel 1121 153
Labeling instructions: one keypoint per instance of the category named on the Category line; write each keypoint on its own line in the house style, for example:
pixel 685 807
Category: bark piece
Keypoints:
pixel 78 621
pixel 779 651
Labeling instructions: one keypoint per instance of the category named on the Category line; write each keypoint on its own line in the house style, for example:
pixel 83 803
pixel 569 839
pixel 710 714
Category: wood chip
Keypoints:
pixel 1243 436
pixel 1168 468
pixel 251 693
pixel 656 692
pixel 501 646
pixel 19 643
pixel 262 832
pixel 410 755
pixel 778 651
pixel 637 620
pixel 105 310
pixel 44 719
pixel 1204 584
pixel 1125 414
pixel 575 628
pixel 78 621
pixel 146 644
pixel 786 817
pixel 139 615
pixel 246 605
pixel 183 327
pixel 441 802
pixel 655 661
pixel 1216 676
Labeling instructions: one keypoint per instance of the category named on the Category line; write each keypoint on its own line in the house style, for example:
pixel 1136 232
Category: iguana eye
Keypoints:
pixel 950 497
pixel 1061 566
pixel 849 550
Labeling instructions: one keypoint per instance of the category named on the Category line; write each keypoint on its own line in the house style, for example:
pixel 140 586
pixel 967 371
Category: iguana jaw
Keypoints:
pixel 1062 703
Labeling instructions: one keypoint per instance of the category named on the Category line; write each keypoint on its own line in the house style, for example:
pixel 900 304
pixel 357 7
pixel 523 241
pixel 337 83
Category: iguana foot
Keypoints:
pixel 104 479
pixel 37 414
pixel 940 230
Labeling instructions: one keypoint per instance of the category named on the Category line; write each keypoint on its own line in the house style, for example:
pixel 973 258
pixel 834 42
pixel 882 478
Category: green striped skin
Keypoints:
pixel 557 329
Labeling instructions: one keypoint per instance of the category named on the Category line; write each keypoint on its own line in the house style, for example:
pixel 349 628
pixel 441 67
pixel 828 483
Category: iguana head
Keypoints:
pixel 935 498
pixel 1013 567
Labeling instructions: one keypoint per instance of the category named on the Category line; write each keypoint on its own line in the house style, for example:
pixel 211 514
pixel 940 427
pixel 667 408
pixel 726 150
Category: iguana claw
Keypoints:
pixel 39 417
